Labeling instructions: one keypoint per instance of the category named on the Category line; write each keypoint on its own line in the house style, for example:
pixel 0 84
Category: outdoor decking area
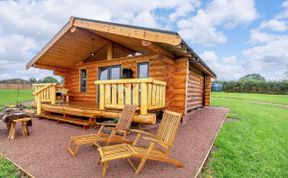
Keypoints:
pixel 147 94
pixel 44 152
pixel 84 113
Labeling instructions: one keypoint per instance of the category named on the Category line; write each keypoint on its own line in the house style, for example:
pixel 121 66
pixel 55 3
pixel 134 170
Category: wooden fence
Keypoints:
pixel 11 86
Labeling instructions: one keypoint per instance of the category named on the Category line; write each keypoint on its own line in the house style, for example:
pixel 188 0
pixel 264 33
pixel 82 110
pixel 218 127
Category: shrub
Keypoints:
pixel 256 87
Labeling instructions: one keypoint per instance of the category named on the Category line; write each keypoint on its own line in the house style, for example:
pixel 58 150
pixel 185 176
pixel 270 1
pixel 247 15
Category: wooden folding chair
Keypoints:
pixel 165 137
pixel 122 126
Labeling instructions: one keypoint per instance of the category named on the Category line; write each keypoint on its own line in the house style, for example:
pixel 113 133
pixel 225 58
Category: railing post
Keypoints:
pixel 143 107
pixel 53 94
pixel 101 96
pixel 38 103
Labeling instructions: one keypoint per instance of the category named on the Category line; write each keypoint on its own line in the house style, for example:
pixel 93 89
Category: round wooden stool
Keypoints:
pixel 12 129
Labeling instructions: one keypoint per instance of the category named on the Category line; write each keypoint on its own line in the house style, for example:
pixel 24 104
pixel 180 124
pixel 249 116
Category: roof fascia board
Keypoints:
pixel 143 34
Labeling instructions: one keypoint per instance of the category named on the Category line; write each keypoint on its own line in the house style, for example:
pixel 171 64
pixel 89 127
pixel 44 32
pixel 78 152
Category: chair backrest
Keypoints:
pixel 168 126
pixel 126 117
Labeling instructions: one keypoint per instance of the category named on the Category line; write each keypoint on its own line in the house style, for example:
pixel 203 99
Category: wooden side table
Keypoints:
pixel 12 130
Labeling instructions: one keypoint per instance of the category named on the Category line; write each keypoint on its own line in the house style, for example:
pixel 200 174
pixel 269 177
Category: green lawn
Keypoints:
pixel 277 99
pixel 7 169
pixel 10 96
pixel 256 143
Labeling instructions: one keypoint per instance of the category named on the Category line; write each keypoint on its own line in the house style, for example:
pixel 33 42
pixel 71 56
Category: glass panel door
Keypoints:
pixel 109 73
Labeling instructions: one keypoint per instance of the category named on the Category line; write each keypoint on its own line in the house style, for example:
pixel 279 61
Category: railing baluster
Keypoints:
pixel 153 95
pixel 128 93
pixel 120 94
pixel 135 94
pixel 143 106
pixel 53 94
pixel 114 94
pixel 101 95
pixel 107 94
pixel 149 95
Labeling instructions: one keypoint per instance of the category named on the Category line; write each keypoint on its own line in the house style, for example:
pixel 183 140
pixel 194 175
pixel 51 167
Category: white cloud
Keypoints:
pixel 270 58
pixel 204 27
pixel 183 9
pixel 276 25
pixel 209 56
pixel 257 36
pixel 226 67
pixel 25 26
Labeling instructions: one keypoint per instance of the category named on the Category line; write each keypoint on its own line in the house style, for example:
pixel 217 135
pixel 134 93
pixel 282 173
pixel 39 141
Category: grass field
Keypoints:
pixel 277 99
pixel 10 96
pixel 255 142
pixel 252 144
pixel 7 169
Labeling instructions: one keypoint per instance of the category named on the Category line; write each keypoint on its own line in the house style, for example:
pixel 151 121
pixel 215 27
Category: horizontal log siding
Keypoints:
pixel 160 68
pixel 195 90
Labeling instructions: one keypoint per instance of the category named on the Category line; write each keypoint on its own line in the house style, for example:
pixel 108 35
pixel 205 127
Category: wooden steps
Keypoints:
pixel 67 119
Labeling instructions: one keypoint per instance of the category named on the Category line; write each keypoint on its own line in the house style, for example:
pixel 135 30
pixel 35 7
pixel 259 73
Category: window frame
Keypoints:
pixel 109 71
pixel 138 69
pixel 80 80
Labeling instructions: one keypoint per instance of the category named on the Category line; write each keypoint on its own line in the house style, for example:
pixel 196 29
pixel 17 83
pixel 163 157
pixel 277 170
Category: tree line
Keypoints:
pixel 48 79
pixel 255 83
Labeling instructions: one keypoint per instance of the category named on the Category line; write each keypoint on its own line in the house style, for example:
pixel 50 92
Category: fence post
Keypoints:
pixel 143 106
pixel 38 102
pixel 53 94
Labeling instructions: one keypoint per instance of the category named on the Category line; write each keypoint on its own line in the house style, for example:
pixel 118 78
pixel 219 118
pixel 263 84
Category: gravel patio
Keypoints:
pixel 43 153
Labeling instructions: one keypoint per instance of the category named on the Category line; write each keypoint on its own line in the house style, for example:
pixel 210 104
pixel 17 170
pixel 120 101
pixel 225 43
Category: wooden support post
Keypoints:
pixel 143 107
pixel 101 95
pixel 38 104
pixel 110 52
pixel 53 94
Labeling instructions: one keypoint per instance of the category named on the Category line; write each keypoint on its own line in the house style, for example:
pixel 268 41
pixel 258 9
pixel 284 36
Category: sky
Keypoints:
pixel 234 37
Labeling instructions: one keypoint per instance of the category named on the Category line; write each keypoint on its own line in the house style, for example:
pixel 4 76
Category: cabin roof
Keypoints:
pixel 66 41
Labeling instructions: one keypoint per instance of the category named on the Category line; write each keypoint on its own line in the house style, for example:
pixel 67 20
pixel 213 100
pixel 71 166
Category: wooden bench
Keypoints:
pixel 12 129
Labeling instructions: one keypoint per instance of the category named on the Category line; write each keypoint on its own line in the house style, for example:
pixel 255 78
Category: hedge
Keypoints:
pixel 256 87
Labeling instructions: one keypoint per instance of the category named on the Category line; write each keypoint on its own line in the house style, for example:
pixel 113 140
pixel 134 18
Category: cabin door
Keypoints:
pixel 110 72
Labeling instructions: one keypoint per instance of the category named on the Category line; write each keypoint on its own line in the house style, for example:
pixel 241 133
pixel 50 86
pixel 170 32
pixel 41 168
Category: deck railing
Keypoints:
pixel 45 92
pixel 147 94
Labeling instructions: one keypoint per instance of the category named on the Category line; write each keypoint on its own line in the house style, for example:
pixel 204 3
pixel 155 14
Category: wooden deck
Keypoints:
pixel 85 114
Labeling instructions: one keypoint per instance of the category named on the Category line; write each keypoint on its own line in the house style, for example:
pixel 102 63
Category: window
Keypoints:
pixel 109 72
pixel 143 70
pixel 83 80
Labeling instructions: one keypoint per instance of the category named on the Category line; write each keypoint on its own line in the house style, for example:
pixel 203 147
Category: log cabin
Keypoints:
pixel 107 65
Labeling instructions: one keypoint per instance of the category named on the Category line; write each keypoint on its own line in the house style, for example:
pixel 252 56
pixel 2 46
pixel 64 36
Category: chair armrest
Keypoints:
pixel 157 141
pixel 142 132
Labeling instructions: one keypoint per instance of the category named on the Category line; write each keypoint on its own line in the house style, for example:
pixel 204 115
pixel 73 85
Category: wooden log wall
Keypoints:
pixel 160 68
pixel 195 90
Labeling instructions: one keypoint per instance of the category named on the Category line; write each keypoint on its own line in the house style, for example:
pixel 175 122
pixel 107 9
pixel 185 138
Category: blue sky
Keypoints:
pixel 233 37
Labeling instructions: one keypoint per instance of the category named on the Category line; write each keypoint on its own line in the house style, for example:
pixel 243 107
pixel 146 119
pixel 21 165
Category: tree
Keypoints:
pixel 252 78
pixel 286 75
pixel 33 80
pixel 50 79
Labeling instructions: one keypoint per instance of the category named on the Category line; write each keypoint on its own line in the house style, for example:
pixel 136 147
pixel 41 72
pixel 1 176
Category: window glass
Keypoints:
pixel 103 73
pixel 83 80
pixel 115 72
pixel 109 73
pixel 143 70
